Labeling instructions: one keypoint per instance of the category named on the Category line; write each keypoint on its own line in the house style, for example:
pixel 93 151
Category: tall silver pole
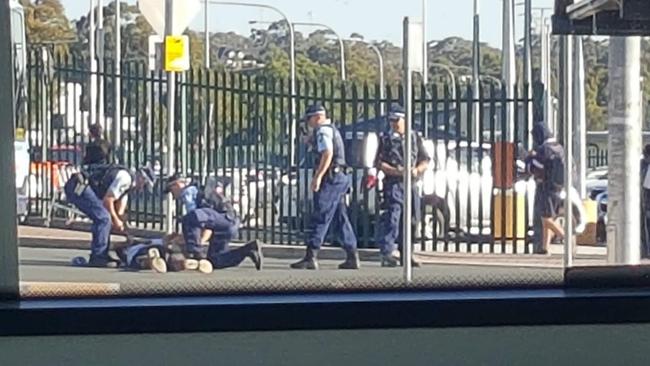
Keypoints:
pixel 568 133
pixel 339 38
pixel 623 237
pixel 292 60
pixel 206 33
pixel 171 112
pixel 382 85
pixel 117 130
pixel 92 33
pixel 476 72
pixel 9 285
pixel 408 158
pixel 580 116
pixel 425 45
pixel 508 68
pixel 528 61
pixel 100 79
pixel 549 115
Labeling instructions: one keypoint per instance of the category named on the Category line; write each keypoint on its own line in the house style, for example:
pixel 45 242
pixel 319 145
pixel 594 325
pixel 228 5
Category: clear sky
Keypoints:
pixel 375 19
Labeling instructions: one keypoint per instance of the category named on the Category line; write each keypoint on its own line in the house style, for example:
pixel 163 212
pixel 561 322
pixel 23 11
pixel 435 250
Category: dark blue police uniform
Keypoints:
pixel 391 151
pixel 329 205
pixel 221 219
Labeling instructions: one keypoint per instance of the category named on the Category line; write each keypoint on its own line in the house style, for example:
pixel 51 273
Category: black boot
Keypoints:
pixel 309 262
pixel 256 254
pixel 352 262
pixel 389 261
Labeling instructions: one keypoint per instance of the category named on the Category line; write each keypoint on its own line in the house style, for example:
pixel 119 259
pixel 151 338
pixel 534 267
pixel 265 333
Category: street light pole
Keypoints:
pixel 117 129
pixel 508 68
pixel 380 60
pixel 292 60
pixel 206 35
pixel 476 72
pixel 452 77
pixel 425 46
pixel 93 63
pixel 340 39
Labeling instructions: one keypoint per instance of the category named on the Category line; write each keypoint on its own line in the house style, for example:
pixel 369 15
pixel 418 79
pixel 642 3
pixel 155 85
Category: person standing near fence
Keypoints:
pixel 645 201
pixel 390 161
pixel 330 184
pixel 99 150
pixel 546 164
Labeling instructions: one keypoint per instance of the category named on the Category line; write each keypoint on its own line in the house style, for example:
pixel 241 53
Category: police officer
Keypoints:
pixel 102 195
pixel 217 215
pixel 329 184
pixel 390 161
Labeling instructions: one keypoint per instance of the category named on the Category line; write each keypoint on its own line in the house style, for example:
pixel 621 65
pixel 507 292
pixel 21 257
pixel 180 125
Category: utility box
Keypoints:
pixel 513 215
pixel 504 165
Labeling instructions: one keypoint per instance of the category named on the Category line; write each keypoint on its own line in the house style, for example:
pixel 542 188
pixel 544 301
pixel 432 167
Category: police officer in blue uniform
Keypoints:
pixel 390 160
pixel 217 215
pixel 329 185
pixel 102 195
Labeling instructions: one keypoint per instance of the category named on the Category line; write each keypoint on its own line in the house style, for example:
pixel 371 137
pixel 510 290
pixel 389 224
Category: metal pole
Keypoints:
pixel 508 68
pixel 452 77
pixel 206 26
pixel 549 115
pixel 580 116
pixel 528 60
pixel 340 39
pixel 93 62
pixel 568 133
pixel 623 236
pixel 408 158
pixel 476 72
pixel 382 86
pixel 171 100
pixel 100 53
pixel 425 46
pixel 292 61
pixel 117 130
pixel 9 286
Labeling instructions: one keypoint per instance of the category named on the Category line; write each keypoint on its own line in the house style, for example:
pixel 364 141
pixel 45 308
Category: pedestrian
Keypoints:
pixel 216 215
pixel 102 195
pixel 99 150
pixel 645 201
pixel 390 161
pixel 330 183
pixel 547 164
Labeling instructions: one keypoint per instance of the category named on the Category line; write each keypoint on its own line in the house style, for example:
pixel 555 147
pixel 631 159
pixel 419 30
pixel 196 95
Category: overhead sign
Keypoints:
pixel 413 51
pixel 177 53
pixel 184 11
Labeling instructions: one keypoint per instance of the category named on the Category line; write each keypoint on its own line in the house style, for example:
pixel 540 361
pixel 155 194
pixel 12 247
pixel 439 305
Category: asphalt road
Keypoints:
pixel 47 272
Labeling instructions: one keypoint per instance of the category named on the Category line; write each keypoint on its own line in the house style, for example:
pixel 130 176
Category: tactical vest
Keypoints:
pixel 100 179
pixel 338 158
pixel 392 149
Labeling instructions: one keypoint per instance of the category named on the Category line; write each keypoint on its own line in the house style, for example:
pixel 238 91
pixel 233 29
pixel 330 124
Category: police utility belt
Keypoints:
pixel 336 170
pixel 80 183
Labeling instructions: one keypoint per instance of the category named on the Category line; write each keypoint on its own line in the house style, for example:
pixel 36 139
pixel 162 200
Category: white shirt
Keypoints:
pixel 325 138
pixel 121 184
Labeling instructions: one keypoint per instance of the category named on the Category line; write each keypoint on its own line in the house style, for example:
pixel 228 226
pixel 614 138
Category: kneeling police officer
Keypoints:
pixel 102 195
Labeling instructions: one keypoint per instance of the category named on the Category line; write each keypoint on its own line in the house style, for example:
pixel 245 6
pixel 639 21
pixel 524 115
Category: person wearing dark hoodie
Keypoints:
pixel 99 151
pixel 546 163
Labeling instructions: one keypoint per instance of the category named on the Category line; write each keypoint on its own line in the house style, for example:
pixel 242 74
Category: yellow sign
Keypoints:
pixel 177 53
pixel 20 134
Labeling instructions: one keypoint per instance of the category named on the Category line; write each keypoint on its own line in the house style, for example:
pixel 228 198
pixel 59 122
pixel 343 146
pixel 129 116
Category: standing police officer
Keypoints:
pixel 330 183
pixel 390 160
pixel 102 195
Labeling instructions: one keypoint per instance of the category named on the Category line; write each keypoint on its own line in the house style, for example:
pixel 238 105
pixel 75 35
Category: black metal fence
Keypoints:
pixel 242 127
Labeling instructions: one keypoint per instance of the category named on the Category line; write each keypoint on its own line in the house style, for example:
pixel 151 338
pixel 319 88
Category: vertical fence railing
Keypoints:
pixel 238 128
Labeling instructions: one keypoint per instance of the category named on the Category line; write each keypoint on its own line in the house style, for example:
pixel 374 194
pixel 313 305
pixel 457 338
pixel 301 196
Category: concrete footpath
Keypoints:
pixel 79 239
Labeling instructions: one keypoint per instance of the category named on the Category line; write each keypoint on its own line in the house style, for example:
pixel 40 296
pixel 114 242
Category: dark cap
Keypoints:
pixel 396 112
pixel 315 110
pixel 171 181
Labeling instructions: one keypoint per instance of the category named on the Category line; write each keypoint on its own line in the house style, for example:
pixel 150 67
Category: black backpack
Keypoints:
pixel 554 165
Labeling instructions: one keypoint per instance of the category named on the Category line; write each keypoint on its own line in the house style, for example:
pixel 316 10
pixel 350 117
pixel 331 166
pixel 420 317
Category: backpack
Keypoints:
pixel 554 165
